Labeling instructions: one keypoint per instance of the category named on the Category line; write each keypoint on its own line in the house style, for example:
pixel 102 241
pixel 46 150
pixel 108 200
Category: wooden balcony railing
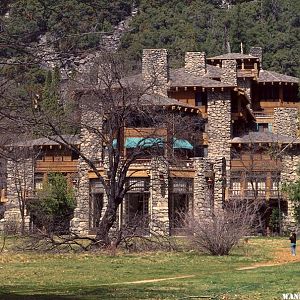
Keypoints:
pixel 254 194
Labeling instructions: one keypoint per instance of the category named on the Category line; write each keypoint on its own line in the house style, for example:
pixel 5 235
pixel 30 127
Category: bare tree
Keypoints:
pixel 103 113
pixel 218 234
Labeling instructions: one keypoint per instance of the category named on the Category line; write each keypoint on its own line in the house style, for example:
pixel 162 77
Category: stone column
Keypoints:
pixel 195 63
pixel 203 188
pixel 155 70
pixel 91 147
pixel 158 204
pixel 220 182
pixel 257 52
pixel 229 73
pixel 19 187
pixel 289 173
pixel 286 121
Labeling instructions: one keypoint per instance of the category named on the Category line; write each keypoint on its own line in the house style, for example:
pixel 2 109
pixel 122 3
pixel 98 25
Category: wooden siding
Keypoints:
pixel 56 165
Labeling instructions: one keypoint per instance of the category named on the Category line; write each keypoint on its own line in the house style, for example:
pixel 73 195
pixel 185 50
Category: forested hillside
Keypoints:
pixel 213 26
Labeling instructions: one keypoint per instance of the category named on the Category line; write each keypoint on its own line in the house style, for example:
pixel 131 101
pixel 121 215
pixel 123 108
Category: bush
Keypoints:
pixel 219 233
pixel 53 208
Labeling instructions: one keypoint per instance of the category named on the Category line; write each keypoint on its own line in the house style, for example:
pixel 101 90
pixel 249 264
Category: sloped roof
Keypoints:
pixel 51 141
pixel 264 137
pixel 213 71
pixel 179 77
pixel 160 100
pixel 232 56
pixel 271 76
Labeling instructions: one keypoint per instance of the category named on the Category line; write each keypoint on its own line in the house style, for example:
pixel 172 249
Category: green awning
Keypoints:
pixel 134 142
pixel 182 144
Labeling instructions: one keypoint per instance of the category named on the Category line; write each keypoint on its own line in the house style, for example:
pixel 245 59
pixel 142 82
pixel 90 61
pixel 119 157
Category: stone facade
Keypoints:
pixel 229 72
pixel 195 63
pixel 91 147
pixel 155 70
pixel 219 124
pixel 290 173
pixel 286 121
pixel 159 194
pixel 257 52
pixel 19 187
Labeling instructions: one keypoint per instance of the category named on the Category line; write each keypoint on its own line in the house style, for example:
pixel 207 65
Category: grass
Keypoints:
pixel 90 276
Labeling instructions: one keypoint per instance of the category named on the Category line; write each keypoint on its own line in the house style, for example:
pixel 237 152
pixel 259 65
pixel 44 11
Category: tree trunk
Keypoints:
pixel 106 224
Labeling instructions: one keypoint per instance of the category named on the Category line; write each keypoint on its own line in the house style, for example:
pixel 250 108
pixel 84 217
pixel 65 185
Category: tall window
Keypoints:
pixel 256 185
pixel 96 203
pixel 137 202
pixel 180 203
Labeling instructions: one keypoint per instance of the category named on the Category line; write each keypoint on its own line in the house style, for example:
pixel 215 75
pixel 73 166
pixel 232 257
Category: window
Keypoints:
pixel 201 98
pixel 96 203
pixel 180 203
pixel 38 181
pixel 137 203
pixel 256 185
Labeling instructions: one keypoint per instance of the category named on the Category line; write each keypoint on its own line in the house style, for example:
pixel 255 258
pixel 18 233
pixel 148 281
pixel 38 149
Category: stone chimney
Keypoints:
pixel 257 52
pixel 155 70
pixel 229 74
pixel 195 63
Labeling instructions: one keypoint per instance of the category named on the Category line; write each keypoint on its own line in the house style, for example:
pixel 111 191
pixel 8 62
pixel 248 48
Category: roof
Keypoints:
pixel 180 77
pixel 264 137
pixel 51 141
pixel 233 56
pixel 271 76
pixel 213 71
pixel 160 100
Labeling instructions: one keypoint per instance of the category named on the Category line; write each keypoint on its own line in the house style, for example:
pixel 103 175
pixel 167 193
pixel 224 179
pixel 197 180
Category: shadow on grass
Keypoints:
pixel 124 292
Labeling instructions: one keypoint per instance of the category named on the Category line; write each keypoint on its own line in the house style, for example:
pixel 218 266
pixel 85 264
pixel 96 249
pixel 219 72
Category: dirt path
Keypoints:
pixel 282 257
pixel 150 280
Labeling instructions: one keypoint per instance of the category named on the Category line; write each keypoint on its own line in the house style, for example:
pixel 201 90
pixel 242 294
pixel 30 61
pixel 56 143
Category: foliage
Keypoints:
pixel 293 191
pixel 54 205
pixel 202 25
pixel 276 219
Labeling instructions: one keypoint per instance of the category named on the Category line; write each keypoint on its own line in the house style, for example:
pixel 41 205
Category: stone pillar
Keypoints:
pixel 155 70
pixel 219 124
pixel 257 52
pixel 195 63
pixel 203 188
pixel 19 187
pixel 286 121
pixel 289 173
pixel 221 172
pixel 229 73
pixel 91 147
pixel 158 206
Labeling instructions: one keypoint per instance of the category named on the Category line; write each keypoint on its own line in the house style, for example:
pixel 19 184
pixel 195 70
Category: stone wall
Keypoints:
pixel 158 206
pixel 203 188
pixel 155 70
pixel 219 124
pixel 289 173
pixel 91 147
pixel 286 121
pixel 257 52
pixel 20 185
pixel 229 72
pixel 195 63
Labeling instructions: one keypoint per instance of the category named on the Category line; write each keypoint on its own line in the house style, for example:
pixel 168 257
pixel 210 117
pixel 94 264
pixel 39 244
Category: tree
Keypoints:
pixel 53 206
pixel 293 191
pixel 105 109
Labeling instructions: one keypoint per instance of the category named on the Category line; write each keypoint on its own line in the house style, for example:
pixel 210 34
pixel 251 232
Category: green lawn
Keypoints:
pixel 99 276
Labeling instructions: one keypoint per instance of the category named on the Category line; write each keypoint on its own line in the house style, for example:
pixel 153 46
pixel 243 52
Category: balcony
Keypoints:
pixel 254 194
